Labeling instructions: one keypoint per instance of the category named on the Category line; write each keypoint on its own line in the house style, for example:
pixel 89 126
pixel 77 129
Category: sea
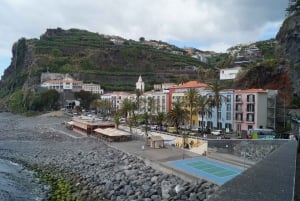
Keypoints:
pixel 19 184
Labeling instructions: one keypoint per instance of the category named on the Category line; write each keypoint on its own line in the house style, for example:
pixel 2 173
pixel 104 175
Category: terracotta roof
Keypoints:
pixel 191 84
pixel 60 81
pixel 250 91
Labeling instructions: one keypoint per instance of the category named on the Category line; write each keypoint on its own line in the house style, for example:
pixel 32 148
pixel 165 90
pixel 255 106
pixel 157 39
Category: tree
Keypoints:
pixel 178 114
pixel 293 7
pixel 85 98
pixel 216 98
pixel 142 39
pixel 125 108
pixel 203 108
pixel 160 118
pixel 191 98
pixel 104 107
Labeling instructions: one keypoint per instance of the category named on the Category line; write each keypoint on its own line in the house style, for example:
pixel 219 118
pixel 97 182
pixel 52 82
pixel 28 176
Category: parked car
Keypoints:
pixel 217 132
pixel 154 127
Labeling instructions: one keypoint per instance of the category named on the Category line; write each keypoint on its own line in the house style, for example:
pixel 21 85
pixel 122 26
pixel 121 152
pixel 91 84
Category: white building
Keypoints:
pixel 140 85
pixel 160 101
pixel 229 73
pixel 93 88
pixel 67 83
pixel 116 98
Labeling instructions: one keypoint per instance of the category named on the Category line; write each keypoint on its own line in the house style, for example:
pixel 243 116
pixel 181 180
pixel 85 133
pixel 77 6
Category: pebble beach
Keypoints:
pixel 94 170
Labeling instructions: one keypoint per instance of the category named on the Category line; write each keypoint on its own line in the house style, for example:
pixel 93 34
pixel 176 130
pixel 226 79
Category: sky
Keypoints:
pixel 213 25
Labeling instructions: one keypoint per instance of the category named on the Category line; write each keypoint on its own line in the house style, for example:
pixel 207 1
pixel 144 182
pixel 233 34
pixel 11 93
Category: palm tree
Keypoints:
pixel 127 108
pixel 160 118
pixel 203 108
pixel 191 98
pixel 178 115
pixel 216 99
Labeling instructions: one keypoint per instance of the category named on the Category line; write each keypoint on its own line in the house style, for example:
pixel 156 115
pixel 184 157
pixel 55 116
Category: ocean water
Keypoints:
pixel 19 184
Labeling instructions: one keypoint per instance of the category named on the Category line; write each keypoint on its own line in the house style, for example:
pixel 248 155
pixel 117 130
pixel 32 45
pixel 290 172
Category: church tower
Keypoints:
pixel 140 85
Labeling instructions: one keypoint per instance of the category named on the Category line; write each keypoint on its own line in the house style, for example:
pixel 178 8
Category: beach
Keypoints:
pixel 94 170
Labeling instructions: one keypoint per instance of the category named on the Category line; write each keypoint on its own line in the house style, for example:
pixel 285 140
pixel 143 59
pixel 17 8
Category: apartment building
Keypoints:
pixel 178 93
pixel 116 98
pixel 225 112
pixel 93 88
pixel 254 108
pixel 159 101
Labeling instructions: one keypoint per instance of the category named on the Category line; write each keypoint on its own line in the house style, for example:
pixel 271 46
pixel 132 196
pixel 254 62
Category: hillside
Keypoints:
pixel 111 61
pixel 116 63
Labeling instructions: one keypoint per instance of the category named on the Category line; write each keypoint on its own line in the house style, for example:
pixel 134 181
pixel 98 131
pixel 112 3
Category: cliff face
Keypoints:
pixel 289 42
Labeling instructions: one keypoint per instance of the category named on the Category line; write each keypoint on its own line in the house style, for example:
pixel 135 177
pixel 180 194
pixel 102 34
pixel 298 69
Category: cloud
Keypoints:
pixel 215 23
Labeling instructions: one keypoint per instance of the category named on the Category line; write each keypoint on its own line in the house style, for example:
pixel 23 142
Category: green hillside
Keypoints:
pixel 92 57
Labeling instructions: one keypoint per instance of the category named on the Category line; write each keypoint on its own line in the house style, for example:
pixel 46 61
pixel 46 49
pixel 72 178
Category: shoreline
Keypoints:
pixel 93 169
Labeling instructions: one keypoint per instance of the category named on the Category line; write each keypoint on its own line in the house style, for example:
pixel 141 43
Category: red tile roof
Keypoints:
pixel 191 84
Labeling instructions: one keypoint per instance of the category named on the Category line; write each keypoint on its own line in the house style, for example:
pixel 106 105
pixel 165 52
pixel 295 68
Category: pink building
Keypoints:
pixel 254 108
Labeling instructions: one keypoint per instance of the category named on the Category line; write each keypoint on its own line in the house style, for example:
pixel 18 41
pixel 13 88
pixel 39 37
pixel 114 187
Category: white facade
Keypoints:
pixel 64 84
pixel 93 88
pixel 229 73
pixel 140 85
pixel 116 98
pixel 160 102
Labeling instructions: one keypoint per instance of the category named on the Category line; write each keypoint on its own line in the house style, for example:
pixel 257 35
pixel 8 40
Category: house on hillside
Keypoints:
pixel 229 73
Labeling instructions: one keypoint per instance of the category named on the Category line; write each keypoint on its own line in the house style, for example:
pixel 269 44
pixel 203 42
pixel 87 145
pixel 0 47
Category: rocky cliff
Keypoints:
pixel 289 42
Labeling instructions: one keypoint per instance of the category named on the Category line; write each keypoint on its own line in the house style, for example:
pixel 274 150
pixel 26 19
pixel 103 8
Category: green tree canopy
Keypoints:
pixel 86 98
pixel 293 7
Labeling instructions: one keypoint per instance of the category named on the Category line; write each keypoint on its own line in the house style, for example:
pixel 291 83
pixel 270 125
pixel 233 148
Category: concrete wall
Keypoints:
pixel 253 150
pixel 271 179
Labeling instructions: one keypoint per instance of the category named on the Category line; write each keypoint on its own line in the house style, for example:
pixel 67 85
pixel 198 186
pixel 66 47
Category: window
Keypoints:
pixel 228 116
pixel 228 107
pixel 250 98
pixel 239 117
pixel 238 98
pixel 250 107
pixel 228 125
pixel 239 127
pixel 219 114
pixel 250 117
pixel 238 107
pixel 228 98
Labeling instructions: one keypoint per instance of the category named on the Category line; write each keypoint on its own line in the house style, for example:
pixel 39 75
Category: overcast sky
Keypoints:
pixel 204 24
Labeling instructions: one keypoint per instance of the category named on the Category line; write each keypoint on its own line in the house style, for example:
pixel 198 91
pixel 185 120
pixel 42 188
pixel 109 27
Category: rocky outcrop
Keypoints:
pixel 289 42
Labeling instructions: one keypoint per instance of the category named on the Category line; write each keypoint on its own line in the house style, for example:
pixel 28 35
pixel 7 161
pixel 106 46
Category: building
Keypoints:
pixel 226 115
pixel 93 88
pixel 253 108
pixel 116 98
pixel 140 85
pixel 229 73
pixel 68 83
pixel 178 93
pixel 159 101
pixel 87 125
